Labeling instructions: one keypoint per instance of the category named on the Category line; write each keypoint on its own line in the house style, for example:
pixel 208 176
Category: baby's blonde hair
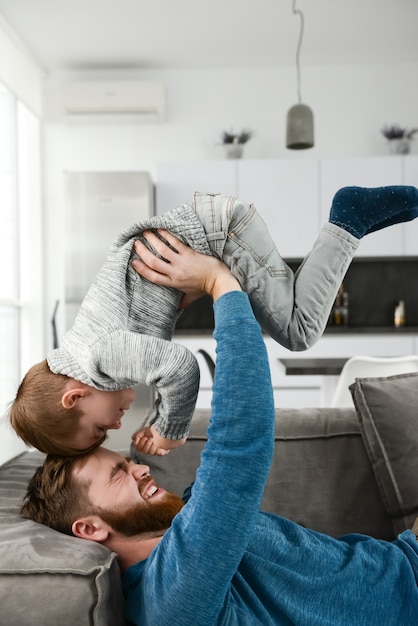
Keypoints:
pixel 38 416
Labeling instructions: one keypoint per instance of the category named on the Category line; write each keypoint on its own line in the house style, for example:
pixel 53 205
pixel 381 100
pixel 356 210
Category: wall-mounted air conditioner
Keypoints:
pixel 112 102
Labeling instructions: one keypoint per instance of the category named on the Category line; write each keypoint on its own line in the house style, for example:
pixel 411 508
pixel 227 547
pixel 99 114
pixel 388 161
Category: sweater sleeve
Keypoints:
pixel 128 358
pixel 207 539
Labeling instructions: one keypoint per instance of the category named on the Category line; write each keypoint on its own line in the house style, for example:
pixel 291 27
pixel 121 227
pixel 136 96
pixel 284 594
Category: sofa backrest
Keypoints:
pixel 320 477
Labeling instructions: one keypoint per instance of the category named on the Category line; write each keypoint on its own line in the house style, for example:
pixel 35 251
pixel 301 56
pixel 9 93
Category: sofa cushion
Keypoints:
pixel 387 408
pixel 46 577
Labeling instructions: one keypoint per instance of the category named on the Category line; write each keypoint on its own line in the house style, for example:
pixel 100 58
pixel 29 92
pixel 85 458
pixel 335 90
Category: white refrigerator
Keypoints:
pixel 98 205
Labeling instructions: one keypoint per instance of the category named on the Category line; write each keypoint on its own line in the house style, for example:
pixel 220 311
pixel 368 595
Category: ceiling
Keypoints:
pixel 100 34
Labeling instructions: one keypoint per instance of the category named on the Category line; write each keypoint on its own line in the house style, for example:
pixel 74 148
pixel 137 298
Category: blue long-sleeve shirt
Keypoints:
pixel 224 562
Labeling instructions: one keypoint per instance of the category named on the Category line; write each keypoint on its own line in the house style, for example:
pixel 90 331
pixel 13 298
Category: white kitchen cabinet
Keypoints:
pixel 177 182
pixel 351 344
pixel 294 195
pixel 365 172
pixel 410 177
pixel 286 194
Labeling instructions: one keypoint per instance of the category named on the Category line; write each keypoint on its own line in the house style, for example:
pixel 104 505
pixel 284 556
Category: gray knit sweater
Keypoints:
pixel 122 333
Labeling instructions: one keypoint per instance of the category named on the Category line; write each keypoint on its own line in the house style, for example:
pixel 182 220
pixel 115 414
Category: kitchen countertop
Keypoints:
pixel 322 366
pixel 371 330
pixel 330 330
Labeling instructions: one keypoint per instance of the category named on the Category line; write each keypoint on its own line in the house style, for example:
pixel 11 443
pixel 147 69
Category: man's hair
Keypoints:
pixel 55 497
pixel 37 414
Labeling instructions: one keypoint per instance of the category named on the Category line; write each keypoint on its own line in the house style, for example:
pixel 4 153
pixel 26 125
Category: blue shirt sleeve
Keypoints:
pixel 188 575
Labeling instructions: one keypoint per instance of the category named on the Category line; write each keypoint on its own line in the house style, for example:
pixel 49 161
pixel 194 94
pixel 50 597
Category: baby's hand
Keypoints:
pixel 144 442
pixel 148 441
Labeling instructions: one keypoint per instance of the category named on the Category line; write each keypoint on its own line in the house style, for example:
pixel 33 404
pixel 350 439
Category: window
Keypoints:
pixel 21 332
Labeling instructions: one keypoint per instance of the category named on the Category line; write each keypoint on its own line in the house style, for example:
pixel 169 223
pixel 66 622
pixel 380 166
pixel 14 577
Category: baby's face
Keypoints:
pixel 101 410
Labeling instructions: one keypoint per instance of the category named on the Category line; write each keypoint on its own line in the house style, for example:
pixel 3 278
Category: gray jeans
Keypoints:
pixel 293 308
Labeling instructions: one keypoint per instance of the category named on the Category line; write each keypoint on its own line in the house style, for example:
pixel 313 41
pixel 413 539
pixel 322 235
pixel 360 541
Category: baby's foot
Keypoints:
pixel 362 210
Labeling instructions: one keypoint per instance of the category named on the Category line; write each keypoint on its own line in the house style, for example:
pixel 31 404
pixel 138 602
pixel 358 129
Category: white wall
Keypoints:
pixel 350 104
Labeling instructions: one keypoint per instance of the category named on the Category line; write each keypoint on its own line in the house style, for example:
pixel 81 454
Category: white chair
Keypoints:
pixel 369 367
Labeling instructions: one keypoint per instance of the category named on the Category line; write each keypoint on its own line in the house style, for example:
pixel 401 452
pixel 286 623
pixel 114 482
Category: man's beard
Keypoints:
pixel 144 518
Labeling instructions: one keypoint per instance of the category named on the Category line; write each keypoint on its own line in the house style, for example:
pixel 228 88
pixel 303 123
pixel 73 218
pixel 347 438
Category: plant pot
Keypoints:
pixel 399 146
pixel 234 150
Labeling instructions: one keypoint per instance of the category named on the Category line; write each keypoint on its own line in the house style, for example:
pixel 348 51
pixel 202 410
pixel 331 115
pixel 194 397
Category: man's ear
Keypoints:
pixel 91 527
pixel 71 397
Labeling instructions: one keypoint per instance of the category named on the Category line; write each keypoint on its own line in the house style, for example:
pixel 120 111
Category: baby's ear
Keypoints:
pixel 70 397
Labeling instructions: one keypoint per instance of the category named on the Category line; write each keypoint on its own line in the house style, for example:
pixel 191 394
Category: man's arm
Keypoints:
pixel 207 539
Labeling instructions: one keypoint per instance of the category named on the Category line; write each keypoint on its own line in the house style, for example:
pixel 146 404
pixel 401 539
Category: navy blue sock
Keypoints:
pixel 363 210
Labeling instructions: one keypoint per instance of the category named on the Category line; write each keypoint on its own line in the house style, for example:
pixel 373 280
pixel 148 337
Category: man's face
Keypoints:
pixel 125 494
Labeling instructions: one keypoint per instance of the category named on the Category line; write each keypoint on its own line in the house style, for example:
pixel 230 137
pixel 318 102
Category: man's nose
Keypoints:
pixel 138 471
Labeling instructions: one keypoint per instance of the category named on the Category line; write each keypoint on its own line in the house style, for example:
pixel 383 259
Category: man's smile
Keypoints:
pixel 148 488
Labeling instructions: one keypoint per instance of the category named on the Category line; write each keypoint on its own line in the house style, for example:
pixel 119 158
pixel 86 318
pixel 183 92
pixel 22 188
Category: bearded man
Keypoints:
pixel 218 560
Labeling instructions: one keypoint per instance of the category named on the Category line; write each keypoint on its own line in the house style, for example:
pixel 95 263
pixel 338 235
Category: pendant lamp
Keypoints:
pixel 300 124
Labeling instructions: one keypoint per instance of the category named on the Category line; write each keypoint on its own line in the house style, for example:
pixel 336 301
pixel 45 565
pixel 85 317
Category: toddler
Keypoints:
pixel 122 333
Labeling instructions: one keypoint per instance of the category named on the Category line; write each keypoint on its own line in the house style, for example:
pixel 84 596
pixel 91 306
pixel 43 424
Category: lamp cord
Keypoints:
pixel 299 46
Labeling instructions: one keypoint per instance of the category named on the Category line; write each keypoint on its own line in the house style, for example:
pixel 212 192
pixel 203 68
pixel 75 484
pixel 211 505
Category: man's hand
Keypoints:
pixel 181 267
pixel 148 441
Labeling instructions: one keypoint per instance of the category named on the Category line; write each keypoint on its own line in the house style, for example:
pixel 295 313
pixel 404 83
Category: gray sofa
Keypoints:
pixel 334 470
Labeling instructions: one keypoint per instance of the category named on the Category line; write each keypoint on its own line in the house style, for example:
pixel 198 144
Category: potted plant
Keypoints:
pixel 234 142
pixel 399 138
